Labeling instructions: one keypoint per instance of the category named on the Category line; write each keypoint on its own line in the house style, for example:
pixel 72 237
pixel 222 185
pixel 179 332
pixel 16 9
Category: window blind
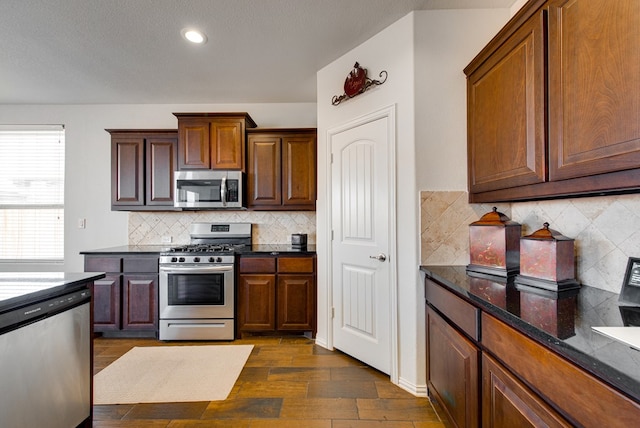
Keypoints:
pixel 32 193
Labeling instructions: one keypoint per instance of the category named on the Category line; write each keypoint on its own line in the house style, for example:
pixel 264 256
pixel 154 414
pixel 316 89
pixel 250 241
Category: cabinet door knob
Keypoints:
pixel 380 257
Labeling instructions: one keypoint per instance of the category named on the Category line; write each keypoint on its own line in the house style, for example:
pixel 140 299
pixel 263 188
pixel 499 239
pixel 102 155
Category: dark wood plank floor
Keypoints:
pixel 287 382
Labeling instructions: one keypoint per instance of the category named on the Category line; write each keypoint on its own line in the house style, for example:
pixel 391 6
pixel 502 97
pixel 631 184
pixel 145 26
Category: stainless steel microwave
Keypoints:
pixel 208 189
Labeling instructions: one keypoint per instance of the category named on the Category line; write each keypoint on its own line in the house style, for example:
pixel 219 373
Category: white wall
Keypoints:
pixel 390 50
pixel 446 42
pixel 87 179
pixel 424 54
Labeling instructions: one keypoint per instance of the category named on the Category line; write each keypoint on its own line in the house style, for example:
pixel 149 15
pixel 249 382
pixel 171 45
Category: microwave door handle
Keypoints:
pixel 223 191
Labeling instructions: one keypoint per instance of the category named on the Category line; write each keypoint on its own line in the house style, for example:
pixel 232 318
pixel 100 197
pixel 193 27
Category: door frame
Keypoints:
pixel 388 113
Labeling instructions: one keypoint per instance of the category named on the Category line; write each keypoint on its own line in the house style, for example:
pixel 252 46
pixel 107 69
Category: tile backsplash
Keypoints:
pixel 269 227
pixel 606 230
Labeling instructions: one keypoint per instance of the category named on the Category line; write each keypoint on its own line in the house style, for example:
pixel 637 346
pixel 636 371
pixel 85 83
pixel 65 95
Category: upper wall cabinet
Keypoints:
pixel 282 169
pixel 142 166
pixel 212 140
pixel 552 103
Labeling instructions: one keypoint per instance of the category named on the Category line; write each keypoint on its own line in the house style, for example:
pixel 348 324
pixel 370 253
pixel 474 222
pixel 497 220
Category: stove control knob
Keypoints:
pixel 181 259
pixel 174 259
pixel 212 259
pixel 196 259
pixel 219 259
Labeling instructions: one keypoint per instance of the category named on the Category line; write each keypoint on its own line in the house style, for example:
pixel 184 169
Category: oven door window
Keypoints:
pixel 199 190
pixel 196 289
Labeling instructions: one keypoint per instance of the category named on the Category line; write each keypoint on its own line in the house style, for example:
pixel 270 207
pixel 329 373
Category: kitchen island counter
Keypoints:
pixel 46 349
pixel 22 288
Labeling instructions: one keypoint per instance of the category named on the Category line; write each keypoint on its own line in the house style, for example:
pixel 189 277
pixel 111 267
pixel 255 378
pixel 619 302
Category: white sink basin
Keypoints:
pixel 627 335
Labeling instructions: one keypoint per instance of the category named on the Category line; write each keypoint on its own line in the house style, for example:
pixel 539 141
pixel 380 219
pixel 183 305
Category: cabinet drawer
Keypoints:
pixel 547 373
pixel 461 313
pixel 295 264
pixel 257 264
pixel 103 264
pixel 140 264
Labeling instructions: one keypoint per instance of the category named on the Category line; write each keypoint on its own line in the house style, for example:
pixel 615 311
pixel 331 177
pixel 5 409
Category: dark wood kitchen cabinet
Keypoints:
pixel 453 360
pixel 552 103
pixel 142 167
pixel 282 169
pixel 557 383
pixel 212 140
pixel 277 294
pixel 508 403
pixel 126 300
pixel 483 371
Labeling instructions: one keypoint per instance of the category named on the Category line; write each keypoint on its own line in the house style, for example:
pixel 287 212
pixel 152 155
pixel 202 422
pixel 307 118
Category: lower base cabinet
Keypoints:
pixel 507 402
pixel 125 302
pixel 453 371
pixel 276 294
pixel 483 371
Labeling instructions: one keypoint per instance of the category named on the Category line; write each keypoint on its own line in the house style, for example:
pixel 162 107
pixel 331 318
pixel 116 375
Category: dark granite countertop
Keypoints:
pixel 23 288
pixel 128 249
pixel 277 249
pixel 560 321
pixel 254 249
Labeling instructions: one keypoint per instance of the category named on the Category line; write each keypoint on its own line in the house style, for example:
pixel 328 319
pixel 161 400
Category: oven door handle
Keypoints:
pixel 195 270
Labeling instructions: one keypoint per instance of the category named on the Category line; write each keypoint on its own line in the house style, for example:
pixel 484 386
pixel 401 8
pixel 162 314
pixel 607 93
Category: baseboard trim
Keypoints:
pixel 417 390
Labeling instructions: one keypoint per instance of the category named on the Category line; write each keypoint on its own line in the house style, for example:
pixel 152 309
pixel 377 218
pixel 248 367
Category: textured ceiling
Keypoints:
pixel 131 51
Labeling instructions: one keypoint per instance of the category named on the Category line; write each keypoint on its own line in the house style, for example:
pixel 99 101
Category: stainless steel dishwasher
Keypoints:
pixel 45 363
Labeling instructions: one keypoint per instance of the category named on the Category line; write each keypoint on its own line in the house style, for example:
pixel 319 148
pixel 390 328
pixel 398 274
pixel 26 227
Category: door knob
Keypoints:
pixel 381 257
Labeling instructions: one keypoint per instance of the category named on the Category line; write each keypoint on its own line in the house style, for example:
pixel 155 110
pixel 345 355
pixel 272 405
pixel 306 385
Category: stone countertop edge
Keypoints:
pixel 601 370
pixel 265 249
pixel 44 287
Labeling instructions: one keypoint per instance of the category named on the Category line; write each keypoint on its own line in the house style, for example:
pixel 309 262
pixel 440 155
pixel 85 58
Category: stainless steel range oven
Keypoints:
pixel 197 283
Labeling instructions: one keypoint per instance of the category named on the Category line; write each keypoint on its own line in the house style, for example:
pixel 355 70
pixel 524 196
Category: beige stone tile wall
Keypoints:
pixel 445 219
pixel 606 230
pixel 272 227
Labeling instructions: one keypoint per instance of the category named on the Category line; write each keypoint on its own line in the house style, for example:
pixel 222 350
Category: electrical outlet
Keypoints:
pixel 167 239
pixel 82 223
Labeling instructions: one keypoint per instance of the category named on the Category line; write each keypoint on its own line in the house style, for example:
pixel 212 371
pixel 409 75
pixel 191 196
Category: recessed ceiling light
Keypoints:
pixel 194 36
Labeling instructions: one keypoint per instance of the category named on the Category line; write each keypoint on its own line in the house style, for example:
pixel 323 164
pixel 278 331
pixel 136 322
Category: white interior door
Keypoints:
pixel 361 222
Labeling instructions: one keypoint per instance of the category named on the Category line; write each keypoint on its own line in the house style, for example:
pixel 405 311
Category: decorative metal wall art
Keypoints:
pixel 357 82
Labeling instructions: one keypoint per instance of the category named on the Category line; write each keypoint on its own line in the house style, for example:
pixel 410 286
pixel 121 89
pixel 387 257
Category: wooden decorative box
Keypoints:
pixel 547 261
pixel 494 245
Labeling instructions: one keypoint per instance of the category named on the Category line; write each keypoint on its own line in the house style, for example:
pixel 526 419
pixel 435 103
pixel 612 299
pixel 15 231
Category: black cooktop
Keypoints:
pixel 204 248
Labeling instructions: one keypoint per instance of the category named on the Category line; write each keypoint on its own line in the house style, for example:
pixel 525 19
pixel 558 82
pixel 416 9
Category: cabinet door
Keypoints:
pixel 193 144
pixel 264 171
pixel 507 403
pixel 161 154
pixel 106 303
pixel 453 371
pixel 594 69
pixel 299 171
pixel 127 170
pixel 140 302
pixel 506 113
pixel 227 144
pixel 256 303
pixel 584 398
pixel 296 302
